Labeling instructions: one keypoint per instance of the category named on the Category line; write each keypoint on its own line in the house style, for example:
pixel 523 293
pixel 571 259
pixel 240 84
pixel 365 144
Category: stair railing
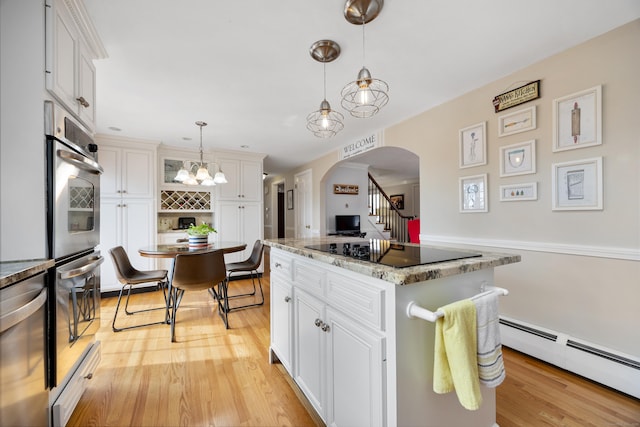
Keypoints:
pixel 380 205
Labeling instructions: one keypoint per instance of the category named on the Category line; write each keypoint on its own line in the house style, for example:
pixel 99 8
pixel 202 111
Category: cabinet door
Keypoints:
pixel 309 372
pixel 251 180
pixel 228 227
pixel 137 173
pixel 110 237
pixel 86 86
pixel 110 181
pixel 61 79
pixel 232 189
pixel 138 230
pixel 281 319
pixel 355 363
pixel 251 226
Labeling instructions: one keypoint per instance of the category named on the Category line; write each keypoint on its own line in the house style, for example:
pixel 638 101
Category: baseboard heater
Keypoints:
pixel 605 366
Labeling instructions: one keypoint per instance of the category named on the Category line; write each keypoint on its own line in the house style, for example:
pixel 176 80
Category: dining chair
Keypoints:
pixel 192 272
pixel 129 276
pixel 251 266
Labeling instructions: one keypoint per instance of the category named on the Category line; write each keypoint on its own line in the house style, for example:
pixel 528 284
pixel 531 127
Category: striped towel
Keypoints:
pixel 490 364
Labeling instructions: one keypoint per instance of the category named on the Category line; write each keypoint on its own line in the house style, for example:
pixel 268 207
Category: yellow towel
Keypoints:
pixel 455 365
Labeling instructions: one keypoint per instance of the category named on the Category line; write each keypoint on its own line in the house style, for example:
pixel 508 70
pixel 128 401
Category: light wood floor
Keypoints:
pixel 218 377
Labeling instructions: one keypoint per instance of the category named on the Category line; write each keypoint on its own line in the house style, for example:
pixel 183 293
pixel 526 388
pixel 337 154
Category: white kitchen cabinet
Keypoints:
pixel 70 73
pixel 244 180
pixel 239 222
pixel 129 223
pixel 128 172
pixel 337 339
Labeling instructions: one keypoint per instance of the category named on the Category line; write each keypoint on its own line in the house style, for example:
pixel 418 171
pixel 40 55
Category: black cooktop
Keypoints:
pixel 392 254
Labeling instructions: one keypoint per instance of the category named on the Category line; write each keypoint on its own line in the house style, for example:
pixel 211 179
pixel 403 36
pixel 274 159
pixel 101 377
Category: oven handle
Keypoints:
pixel 18 315
pixel 68 274
pixel 81 161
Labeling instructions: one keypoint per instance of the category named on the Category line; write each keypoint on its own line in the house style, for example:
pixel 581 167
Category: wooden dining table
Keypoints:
pixel 170 250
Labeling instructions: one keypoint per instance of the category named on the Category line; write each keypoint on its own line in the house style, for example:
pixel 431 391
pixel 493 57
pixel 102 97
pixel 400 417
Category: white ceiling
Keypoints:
pixel 244 66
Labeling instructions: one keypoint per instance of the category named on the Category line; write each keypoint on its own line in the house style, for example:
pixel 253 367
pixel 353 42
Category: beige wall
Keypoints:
pixel 580 273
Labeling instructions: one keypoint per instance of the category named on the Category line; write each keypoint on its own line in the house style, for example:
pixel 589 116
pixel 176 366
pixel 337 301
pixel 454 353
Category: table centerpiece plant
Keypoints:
pixel 199 235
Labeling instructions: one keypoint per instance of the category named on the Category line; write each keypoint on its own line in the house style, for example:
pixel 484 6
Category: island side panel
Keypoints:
pixel 417 403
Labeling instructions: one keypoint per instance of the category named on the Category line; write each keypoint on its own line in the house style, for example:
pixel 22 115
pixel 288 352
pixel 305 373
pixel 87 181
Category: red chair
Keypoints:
pixel 413 226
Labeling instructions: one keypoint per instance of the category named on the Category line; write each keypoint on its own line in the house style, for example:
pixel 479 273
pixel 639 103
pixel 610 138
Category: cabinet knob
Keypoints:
pixel 287 298
pixel 89 376
pixel 83 102
pixel 277 265
pixel 318 323
pixel 325 327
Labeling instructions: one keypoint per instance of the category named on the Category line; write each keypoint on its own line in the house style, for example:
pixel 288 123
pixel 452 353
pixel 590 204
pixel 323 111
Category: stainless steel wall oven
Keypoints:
pixel 73 224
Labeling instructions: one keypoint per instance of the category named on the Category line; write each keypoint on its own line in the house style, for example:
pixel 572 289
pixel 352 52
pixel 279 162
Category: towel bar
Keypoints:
pixel 415 311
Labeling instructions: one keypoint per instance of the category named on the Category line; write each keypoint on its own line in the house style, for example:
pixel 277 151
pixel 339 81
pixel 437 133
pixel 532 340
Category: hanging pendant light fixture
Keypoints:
pixel 365 96
pixel 202 176
pixel 325 123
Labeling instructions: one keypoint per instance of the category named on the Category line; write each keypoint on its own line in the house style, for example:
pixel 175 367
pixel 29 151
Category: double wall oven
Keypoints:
pixel 73 223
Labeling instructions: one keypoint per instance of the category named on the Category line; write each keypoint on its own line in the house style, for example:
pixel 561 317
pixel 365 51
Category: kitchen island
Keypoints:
pixel 339 325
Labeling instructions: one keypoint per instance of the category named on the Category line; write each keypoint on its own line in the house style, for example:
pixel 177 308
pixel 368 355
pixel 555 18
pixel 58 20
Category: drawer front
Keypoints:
pixel 281 264
pixel 358 299
pixel 309 277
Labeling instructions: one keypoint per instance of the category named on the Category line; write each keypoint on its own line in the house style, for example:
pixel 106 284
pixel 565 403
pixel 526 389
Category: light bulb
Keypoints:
pixel 325 120
pixel 364 94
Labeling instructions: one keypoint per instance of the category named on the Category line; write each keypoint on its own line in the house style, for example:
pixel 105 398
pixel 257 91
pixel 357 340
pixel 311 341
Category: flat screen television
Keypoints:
pixel 347 224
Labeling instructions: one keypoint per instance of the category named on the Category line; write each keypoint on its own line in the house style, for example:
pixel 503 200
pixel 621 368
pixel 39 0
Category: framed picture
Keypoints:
pixel 397 200
pixel 289 199
pixel 515 192
pixel 474 194
pixel 518 121
pixel 577 185
pixel 518 159
pixel 473 145
pixel 577 120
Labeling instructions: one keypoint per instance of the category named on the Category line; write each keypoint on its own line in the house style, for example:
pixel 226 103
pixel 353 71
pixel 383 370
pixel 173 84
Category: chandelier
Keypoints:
pixel 365 96
pixel 202 176
pixel 325 122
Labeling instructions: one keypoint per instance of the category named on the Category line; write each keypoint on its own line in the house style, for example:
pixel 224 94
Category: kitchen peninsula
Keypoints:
pixel 339 325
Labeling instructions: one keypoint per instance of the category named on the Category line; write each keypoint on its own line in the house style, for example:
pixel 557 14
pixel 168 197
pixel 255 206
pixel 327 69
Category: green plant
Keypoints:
pixel 200 230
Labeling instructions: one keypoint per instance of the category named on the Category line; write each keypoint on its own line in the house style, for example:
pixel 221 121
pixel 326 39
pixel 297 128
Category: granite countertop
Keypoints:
pixel 397 276
pixel 15 271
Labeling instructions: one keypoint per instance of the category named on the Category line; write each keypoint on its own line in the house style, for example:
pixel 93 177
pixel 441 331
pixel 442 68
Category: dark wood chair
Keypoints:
pixel 193 272
pixel 129 276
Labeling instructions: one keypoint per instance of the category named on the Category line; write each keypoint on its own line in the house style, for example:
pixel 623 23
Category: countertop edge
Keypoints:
pixel 397 276
pixel 15 271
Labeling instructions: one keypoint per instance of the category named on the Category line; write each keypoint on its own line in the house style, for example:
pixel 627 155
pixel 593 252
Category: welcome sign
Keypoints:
pixel 360 146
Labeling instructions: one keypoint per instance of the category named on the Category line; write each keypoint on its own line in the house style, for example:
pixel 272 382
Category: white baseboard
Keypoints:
pixel 605 366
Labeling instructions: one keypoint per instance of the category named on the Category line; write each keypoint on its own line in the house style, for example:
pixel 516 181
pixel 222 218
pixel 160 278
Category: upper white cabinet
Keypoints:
pixel 244 180
pixel 128 172
pixel 71 47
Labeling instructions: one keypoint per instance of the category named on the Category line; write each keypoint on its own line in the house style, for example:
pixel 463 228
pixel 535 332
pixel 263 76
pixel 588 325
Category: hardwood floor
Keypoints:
pixel 218 377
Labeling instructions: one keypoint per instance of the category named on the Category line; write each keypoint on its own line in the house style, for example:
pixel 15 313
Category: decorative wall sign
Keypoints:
pixel 515 192
pixel 577 185
pixel 397 200
pixel 360 146
pixel 473 145
pixel 517 96
pixel 577 120
pixel 518 121
pixel 345 189
pixel 518 159
pixel 474 194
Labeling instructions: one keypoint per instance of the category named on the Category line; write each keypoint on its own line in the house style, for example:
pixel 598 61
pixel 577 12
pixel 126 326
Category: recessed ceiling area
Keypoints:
pixel 245 68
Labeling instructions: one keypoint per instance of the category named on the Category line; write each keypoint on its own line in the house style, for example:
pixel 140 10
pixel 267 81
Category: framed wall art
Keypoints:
pixel 577 185
pixel 289 199
pixel 518 159
pixel 473 145
pixel 397 200
pixel 515 192
pixel 518 121
pixel 474 194
pixel 577 120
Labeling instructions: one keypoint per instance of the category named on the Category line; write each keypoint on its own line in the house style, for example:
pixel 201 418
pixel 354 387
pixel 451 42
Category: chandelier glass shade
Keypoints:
pixel 202 175
pixel 325 122
pixel 365 96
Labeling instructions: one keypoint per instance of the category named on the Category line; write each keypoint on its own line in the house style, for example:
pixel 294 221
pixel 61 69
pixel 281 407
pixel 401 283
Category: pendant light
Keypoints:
pixel 325 123
pixel 365 96
pixel 202 176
